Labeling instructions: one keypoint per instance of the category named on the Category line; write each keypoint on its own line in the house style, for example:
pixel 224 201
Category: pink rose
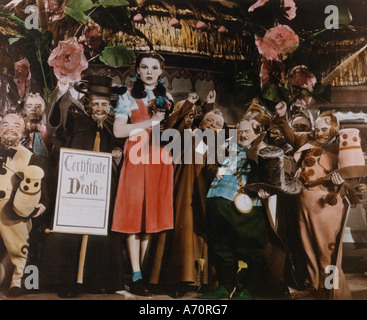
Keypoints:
pixel 92 36
pixel 277 43
pixel 68 59
pixel 271 71
pixel 55 9
pixel 289 8
pixel 258 4
pixel 22 76
pixel 301 76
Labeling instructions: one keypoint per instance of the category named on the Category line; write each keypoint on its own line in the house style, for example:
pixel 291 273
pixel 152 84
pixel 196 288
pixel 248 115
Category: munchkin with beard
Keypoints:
pixel 22 181
pixel 78 124
pixel 84 124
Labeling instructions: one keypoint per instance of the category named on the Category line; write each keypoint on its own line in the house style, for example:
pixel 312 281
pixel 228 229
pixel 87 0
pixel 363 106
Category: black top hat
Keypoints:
pixel 99 85
pixel 275 179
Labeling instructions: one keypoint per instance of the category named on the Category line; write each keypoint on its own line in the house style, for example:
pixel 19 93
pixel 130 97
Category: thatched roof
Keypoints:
pixel 155 32
pixel 322 55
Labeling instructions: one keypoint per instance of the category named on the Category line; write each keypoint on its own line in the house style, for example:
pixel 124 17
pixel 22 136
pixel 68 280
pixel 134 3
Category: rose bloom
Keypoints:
pixel 68 59
pixel 277 43
pixel 290 9
pixel 258 4
pixel 22 76
pixel 92 36
pixel 271 71
pixel 55 9
pixel 288 6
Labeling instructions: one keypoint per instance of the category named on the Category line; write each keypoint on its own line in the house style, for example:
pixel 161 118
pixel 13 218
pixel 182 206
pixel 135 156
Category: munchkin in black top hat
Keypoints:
pixel 100 86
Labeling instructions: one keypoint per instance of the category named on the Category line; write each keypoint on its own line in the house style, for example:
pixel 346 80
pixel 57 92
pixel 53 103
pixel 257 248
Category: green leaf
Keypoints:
pixel 271 92
pixel 117 56
pixel 113 3
pixel 80 5
pixel 318 89
pixel 15 39
pixel 76 9
pixel 345 16
pixel 79 16
pixel 13 17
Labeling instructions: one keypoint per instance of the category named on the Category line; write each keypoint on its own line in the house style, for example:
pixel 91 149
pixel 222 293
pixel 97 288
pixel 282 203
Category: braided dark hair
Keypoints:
pixel 138 89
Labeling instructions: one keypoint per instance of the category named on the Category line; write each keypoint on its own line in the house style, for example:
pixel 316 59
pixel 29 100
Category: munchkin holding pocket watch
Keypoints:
pixel 237 228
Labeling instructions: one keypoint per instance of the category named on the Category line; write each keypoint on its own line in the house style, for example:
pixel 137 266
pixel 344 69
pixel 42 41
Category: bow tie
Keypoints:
pixel 5 153
pixel 31 129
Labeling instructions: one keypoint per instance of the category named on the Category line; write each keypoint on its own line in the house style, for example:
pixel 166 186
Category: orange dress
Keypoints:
pixel 144 200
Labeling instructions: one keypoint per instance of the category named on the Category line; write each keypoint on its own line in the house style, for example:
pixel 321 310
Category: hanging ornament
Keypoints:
pixel 201 25
pixel 175 23
pixel 138 18
pixel 222 30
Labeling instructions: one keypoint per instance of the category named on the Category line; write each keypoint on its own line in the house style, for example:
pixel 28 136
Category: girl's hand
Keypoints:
pixel 158 116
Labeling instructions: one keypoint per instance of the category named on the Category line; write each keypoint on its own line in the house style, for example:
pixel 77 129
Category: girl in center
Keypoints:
pixel 144 201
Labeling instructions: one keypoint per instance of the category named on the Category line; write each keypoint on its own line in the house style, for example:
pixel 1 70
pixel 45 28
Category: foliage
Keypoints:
pixel 77 9
pixel 37 46
pixel 274 81
pixel 117 56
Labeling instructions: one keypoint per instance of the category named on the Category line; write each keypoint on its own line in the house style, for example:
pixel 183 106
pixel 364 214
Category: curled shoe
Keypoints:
pixel 322 294
pixel 219 293
pixel 70 291
pixel 243 295
pixel 139 288
pixel 309 292
pixel 14 292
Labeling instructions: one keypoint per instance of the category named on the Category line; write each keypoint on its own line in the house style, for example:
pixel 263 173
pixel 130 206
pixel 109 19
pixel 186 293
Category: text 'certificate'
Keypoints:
pixel 83 192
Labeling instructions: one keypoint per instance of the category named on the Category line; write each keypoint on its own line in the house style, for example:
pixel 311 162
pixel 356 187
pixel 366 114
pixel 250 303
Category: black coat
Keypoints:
pixel 71 127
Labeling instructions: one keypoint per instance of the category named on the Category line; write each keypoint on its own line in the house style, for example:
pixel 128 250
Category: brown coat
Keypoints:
pixel 180 251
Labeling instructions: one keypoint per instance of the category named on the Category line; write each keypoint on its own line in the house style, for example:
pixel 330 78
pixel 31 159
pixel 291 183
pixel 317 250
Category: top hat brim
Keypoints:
pixel 114 93
pixel 292 189
pixel 349 172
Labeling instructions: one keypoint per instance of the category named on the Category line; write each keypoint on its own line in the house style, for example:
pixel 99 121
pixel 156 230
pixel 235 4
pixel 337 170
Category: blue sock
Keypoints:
pixel 137 276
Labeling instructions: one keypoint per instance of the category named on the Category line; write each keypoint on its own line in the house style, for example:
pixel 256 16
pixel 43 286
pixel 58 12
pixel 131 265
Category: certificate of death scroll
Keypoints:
pixel 83 192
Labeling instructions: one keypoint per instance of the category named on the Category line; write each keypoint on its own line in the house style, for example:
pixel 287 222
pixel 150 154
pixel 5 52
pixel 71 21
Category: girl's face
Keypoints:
pixel 149 70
